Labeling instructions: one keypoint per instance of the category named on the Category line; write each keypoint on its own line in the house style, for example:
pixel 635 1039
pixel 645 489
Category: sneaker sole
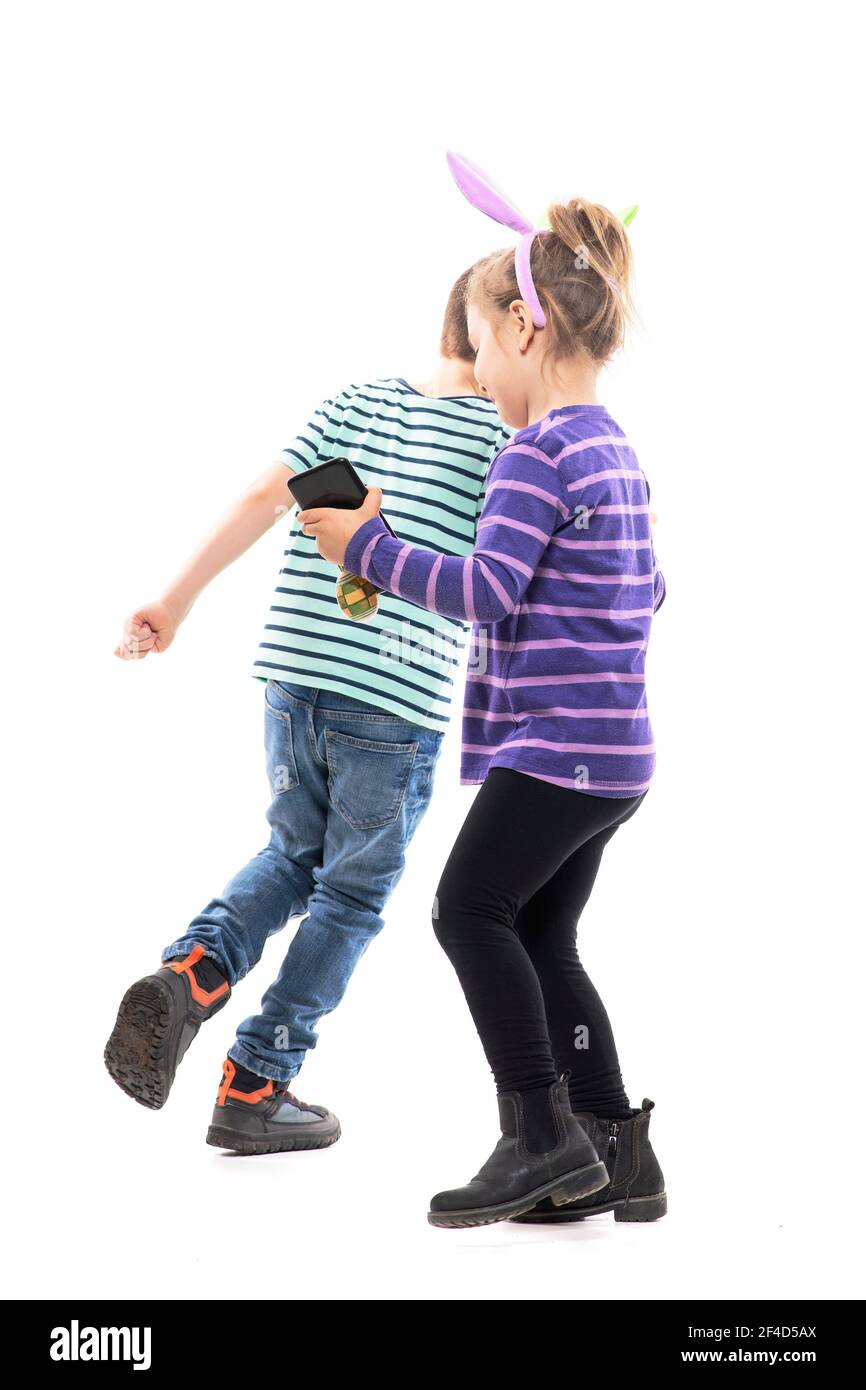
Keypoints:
pixel 650 1208
pixel 222 1138
pixel 569 1187
pixel 137 1053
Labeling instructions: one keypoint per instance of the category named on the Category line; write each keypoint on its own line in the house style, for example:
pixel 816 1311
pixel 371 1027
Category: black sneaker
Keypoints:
pixel 254 1115
pixel 157 1020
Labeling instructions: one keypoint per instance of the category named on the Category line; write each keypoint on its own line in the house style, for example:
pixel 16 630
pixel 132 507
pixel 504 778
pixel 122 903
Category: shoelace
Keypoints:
pixel 280 1091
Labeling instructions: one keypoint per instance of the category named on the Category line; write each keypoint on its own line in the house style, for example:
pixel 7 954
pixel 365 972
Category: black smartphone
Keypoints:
pixel 333 483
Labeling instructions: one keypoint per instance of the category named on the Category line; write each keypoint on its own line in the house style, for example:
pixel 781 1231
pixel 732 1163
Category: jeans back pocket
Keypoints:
pixel 367 778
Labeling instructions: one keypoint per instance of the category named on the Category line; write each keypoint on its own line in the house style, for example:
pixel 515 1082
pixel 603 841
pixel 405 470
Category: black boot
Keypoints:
pixel 636 1191
pixel 514 1178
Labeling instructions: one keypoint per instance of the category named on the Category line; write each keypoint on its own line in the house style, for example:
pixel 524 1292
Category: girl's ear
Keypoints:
pixel 522 314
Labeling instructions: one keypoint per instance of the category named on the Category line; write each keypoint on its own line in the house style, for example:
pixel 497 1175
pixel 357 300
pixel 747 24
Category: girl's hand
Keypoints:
pixel 149 629
pixel 334 527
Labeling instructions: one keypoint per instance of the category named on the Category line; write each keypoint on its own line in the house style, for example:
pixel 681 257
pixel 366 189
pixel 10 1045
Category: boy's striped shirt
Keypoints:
pixel 562 586
pixel 430 456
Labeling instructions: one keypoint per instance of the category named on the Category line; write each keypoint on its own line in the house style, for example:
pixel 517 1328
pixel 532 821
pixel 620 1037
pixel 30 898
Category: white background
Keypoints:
pixel 215 216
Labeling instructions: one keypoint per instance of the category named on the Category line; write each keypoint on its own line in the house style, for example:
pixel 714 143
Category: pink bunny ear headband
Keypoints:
pixel 483 194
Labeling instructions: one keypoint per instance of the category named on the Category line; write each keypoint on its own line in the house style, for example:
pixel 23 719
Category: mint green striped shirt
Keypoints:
pixel 429 455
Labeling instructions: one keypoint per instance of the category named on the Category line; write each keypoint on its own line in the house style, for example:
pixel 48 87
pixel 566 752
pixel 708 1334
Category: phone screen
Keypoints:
pixel 333 483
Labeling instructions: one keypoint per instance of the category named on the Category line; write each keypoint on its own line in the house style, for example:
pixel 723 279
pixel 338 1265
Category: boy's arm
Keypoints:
pixel 246 520
pixel 264 502
pixel 153 626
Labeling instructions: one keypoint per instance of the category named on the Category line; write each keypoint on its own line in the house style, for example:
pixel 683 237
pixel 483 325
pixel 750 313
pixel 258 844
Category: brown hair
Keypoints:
pixel 455 339
pixel 573 266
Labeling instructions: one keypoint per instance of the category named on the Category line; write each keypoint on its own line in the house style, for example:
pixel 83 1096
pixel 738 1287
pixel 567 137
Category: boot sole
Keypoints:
pixel 137 1053
pixel 222 1138
pixel 569 1187
pixel 650 1208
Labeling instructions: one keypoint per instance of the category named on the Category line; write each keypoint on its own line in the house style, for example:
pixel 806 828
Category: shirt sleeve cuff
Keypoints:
pixel 353 558
pixel 295 460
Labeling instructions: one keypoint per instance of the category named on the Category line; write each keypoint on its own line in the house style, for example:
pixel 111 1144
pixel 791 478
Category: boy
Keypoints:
pixel 354 718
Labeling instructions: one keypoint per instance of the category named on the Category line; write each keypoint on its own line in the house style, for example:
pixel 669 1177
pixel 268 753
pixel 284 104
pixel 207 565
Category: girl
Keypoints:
pixel 561 587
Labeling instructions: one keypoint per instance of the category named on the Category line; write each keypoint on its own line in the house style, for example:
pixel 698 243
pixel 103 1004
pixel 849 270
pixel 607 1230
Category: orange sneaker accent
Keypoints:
pixel 179 966
pixel 229 1074
pixel 230 1071
pixel 184 967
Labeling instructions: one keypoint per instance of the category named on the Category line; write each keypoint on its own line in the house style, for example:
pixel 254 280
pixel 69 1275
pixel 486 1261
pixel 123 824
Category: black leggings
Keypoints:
pixel 506 912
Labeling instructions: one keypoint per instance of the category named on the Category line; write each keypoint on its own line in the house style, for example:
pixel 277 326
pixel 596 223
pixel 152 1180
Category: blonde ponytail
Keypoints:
pixel 582 271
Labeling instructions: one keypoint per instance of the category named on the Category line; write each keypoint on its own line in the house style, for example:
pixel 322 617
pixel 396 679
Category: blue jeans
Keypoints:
pixel 350 783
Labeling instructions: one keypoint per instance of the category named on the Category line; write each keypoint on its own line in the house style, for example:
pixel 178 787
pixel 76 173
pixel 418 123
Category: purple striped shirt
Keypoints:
pixel 561 588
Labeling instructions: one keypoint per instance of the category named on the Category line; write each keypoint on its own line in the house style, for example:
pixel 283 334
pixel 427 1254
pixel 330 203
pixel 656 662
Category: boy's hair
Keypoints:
pixel 572 267
pixel 455 339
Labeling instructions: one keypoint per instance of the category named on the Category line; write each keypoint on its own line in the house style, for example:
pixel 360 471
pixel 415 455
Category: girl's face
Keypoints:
pixel 501 359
